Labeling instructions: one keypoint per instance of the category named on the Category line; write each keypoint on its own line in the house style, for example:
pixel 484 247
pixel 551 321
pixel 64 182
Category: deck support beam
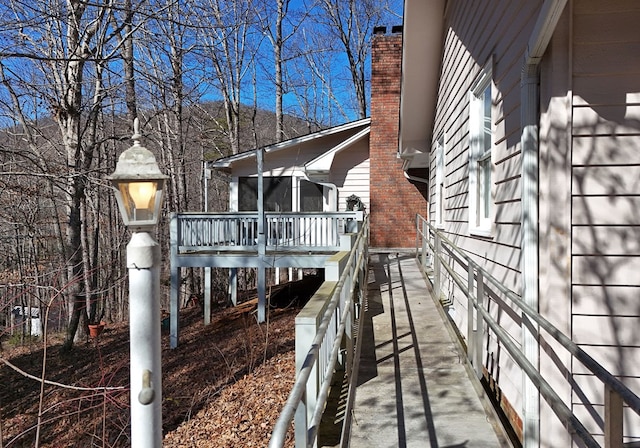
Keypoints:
pixel 233 285
pixel 174 306
pixel 262 242
pixel 207 295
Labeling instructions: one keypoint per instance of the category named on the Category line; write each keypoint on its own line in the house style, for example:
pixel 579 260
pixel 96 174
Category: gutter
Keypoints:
pixel 530 145
pixel 415 178
pixel 405 171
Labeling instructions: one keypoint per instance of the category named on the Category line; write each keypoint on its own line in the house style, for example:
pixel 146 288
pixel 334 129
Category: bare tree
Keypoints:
pixel 351 22
pixel 280 24
pixel 229 44
pixel 58 58
pixel 74 75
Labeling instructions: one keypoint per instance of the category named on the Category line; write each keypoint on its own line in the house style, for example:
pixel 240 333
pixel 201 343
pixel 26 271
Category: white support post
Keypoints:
pixel 174 307
pixel 301 424
pixel 233 285
pixel 477 361
pixel 436 266
pixel 347 362
pixel 207 295
pixel 262 243
pixel 306 329
pixel 470 308
pixel 143 262
pixel 425 256
pixel 529 244
pixel 262 291
pixel 174 297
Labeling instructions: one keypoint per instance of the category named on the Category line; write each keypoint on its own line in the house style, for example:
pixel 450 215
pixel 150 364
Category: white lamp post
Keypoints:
pixel 139 191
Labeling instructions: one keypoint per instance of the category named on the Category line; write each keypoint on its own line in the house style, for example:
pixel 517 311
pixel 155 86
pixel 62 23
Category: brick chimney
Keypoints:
pixel 395 200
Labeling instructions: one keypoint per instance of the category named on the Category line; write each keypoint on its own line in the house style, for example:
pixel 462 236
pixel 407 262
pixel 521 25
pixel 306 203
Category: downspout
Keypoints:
pixel 333 194
pixel 333 190
pixel 529 143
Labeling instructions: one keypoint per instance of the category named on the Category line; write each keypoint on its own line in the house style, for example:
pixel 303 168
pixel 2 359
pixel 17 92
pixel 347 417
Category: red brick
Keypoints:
pixel 395 200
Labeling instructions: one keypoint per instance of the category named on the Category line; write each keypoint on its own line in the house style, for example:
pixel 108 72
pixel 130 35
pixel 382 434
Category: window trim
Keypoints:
pixel 440 187
pixel 269 187
pixel 300 198
pixel 480 224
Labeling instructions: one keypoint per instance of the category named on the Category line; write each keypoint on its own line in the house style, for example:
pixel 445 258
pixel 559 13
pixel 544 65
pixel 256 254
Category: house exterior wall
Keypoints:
pixel 482 37
pixel 349 173
pixel 605 189
pixel 394 199
pixel 589 250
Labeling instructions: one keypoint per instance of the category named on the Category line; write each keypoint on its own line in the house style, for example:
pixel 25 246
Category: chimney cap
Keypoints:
pixel 396 29
pixel 379 30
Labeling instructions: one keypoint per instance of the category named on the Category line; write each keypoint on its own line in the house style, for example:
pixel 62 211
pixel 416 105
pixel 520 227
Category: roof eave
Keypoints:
pixel 421 57
pixel 227 162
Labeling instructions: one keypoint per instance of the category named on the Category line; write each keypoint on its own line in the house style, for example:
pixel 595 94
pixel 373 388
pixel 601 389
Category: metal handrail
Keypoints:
pixel 357 259
pixel 611 383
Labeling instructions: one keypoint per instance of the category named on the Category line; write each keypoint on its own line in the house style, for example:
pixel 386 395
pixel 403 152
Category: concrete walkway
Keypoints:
pixel 413 387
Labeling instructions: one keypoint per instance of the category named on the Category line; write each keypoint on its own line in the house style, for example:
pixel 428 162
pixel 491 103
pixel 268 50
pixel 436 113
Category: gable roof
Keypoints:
pixel 352 128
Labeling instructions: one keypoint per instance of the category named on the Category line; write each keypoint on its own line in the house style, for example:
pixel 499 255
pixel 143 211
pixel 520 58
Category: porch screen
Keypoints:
pixel 311 198
pixel 277 194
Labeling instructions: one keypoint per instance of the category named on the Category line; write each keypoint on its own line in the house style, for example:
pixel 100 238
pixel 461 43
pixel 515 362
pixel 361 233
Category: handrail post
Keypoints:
pixel 436 266
pixel 347 345
pixel 618 398
pixel 471 345
pixel 477 360
pixel 613 418
pixel 417 223
pixel 425 233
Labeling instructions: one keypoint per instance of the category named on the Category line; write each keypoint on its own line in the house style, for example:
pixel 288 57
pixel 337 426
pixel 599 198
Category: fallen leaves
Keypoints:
pixel 224 385
pixel 244 413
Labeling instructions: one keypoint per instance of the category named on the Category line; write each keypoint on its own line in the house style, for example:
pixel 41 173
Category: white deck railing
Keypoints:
pixel 479 286
pixel 238 231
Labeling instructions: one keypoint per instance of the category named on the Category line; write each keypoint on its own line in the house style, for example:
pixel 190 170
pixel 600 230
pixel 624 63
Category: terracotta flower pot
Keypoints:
pixel 96 329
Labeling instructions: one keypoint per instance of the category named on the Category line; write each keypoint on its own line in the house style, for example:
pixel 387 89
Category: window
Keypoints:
pixel 277 194
pixel 480 165
pixel 440 196
pixel 311 198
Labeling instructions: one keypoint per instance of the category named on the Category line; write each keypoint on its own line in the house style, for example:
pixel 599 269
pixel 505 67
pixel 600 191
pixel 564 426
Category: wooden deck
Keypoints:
pixel 231 240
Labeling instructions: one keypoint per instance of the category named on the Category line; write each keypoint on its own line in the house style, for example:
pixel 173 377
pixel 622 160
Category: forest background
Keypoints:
pixel 205 78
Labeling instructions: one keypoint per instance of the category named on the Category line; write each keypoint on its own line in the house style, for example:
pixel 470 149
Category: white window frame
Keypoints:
pixel 481 206
pixel 439 202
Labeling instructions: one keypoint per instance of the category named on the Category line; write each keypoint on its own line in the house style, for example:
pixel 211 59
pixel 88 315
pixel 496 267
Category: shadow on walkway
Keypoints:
pixel 413 387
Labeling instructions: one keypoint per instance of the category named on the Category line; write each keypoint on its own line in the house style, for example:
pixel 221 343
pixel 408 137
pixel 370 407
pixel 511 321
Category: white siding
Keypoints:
pixel 589 181
pixel 605 190
pixel 350 173
pixel 476 33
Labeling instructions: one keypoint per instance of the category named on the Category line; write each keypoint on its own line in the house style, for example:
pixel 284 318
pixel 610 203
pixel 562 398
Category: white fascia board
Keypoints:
pixel 227 162
pixel 422 39
pixel 323 162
